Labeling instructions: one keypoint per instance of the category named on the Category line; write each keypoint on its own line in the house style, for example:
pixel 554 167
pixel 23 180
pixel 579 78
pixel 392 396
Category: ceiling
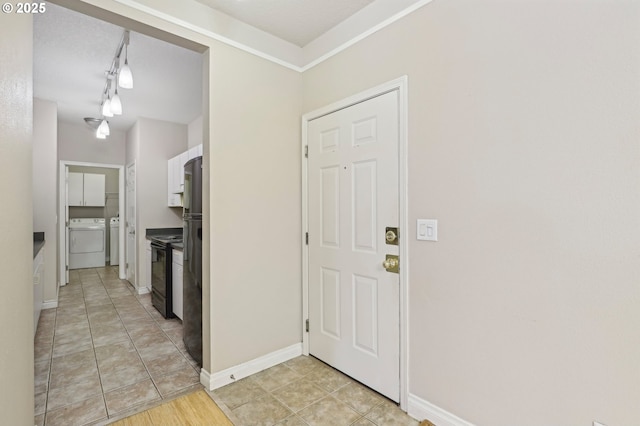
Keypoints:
pixel 72 51
pixel 296 21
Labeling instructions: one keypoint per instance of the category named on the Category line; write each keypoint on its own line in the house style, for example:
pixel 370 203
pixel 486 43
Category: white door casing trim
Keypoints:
pixel 401 86
pixel 61 213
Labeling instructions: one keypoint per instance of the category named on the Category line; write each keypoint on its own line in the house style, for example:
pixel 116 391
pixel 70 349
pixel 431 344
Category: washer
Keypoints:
pixel 114 238
pixel 87 243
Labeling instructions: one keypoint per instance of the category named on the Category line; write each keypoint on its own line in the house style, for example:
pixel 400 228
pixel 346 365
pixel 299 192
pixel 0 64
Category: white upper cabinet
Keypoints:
pixel 175 175
pixel 75 192
pixel 86 189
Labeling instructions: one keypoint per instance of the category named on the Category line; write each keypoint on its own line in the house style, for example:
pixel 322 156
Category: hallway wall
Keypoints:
pixel 524 124
pixel 16 267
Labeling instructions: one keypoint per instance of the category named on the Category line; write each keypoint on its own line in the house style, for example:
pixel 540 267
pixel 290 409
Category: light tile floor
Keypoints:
pixel 305 391
pixel 105 353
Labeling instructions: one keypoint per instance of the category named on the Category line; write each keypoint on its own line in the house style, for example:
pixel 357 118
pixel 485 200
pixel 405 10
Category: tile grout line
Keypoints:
pixel 104 398
pixel 134 347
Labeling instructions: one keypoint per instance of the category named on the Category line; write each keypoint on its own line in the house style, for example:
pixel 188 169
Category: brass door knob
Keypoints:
pixel 391 263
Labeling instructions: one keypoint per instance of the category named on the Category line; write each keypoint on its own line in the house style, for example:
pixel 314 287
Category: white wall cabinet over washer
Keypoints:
pixel 176 280
pixel 86 189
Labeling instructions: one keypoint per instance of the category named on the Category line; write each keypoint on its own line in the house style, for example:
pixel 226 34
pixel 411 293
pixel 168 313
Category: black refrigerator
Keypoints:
pixel 192 262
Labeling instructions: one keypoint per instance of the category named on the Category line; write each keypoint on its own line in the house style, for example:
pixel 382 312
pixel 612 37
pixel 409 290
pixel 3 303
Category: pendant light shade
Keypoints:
pixel 106 108
pixel 116 76
pixel 116 103
pixel 103 129
pixel 125 77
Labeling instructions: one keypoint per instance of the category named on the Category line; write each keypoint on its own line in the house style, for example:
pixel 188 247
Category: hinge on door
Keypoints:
pixel 306 238
pixel 306 151
pixel 66 267
pixel 307 325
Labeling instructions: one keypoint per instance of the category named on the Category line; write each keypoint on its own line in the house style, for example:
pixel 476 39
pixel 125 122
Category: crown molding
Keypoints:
pixel 225 29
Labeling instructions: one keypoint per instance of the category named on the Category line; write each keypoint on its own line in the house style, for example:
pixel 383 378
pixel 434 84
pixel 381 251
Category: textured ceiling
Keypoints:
pixel 72 51
pixel 296 21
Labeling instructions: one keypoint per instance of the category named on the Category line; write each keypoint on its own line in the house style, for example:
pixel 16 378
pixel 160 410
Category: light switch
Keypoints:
pixel 427 230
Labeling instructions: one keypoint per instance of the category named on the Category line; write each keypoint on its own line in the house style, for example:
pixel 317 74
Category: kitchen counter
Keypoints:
pixel 38 243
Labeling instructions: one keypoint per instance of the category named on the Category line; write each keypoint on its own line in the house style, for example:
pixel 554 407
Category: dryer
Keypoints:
pixel 87 237
pixel 114 240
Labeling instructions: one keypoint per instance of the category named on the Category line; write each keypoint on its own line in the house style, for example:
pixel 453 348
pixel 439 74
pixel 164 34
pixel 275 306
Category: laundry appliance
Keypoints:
pixel 114 241
pixel 87 240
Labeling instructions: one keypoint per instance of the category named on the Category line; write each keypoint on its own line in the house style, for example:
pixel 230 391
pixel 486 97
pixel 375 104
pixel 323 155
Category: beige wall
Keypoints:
pixel 45 188
pixel 523 142
pixel 78 142
pixel 253 124
pixel 195 133
pixel 153 142
pixel 255 207
pixel 16 266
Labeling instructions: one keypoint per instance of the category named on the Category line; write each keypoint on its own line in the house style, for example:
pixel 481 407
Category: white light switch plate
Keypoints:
pixel 427 230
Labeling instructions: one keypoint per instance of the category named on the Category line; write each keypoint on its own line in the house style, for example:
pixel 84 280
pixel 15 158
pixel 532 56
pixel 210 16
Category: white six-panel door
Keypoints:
pixel 354 315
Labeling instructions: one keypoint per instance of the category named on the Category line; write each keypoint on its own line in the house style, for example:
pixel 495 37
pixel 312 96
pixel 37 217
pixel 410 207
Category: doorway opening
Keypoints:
pixel 112 206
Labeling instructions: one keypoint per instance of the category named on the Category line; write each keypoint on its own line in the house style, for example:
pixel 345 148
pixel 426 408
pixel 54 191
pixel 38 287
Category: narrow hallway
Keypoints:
pixel 105 352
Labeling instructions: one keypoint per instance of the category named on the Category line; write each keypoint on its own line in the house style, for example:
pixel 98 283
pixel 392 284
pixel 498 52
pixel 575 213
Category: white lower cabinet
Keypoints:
pixel 176 280
pixel 38 286
pixel 147 265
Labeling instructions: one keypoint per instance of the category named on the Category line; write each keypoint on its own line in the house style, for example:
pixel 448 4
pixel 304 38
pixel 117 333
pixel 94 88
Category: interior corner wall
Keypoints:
pixel 195 133
pixel 255 212
pixel 157 142
pixel 16 267
pixel 77 142
pixel 524 124
pixel 45 188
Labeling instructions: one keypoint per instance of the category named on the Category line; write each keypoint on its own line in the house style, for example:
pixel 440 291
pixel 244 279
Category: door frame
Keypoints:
pixel 401 86
pixel 62 201
pixel 126 232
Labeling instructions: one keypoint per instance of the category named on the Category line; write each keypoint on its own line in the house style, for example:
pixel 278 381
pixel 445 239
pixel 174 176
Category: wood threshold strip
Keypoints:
pixel 196 408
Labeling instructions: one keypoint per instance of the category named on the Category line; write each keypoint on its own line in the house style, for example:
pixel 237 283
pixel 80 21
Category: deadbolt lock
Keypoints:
pixel 391 263
pixel 391 236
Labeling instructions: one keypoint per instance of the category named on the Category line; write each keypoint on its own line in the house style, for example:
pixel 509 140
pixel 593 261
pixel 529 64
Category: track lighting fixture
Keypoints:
pixel 116 103
pixel 125 77
pixel 120 76
pixel 106 108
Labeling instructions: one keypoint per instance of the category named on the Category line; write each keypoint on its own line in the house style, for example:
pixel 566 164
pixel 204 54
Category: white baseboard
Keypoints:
pixel 421 410
pixel 143 290
pixel 224 377
pixel 49 304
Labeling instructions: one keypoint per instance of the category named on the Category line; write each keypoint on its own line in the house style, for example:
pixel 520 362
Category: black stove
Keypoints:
pixel 161 283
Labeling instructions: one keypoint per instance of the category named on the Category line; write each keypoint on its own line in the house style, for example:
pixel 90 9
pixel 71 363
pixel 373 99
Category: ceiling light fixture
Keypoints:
pixel 103 129
pixel 120 76
pixel 116 103
pixel 125 77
